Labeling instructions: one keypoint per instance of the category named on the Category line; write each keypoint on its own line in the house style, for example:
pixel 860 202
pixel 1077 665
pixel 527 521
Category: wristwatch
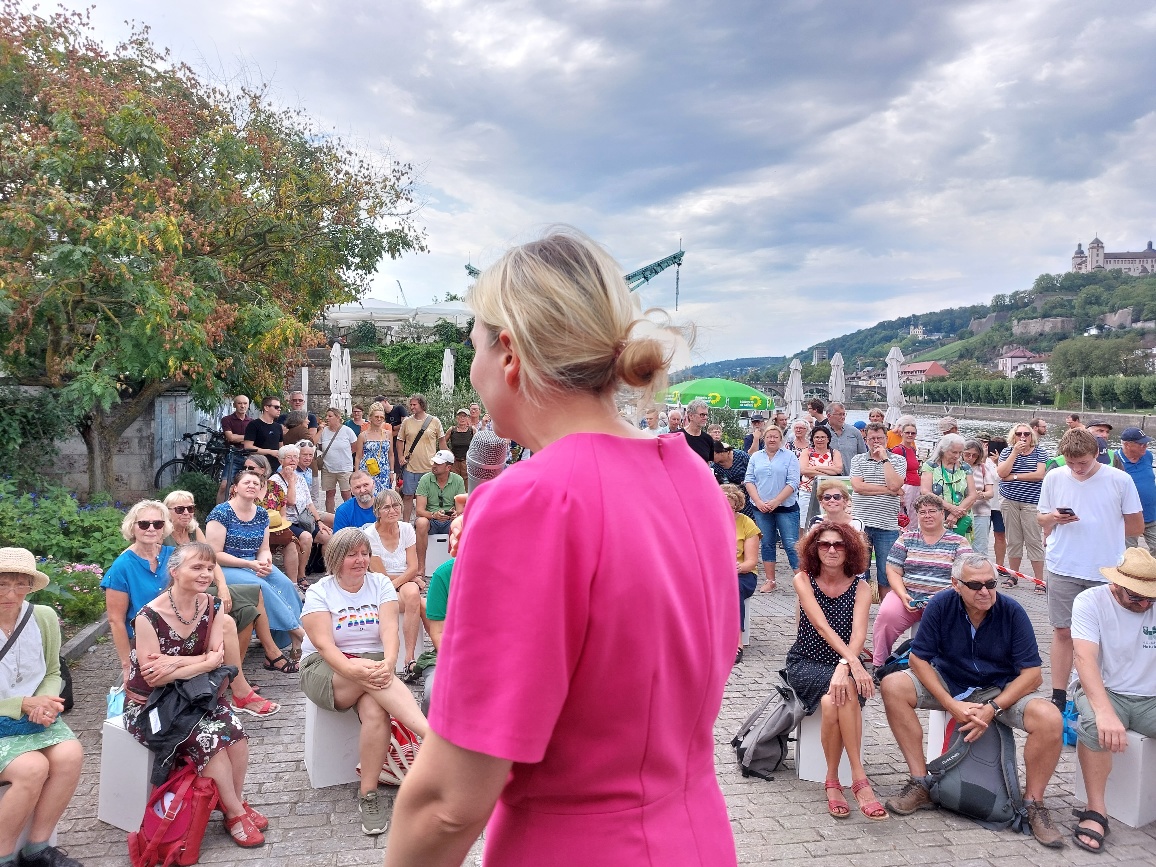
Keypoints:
pixel 998 710
pixel 844 661
pixel 1015 477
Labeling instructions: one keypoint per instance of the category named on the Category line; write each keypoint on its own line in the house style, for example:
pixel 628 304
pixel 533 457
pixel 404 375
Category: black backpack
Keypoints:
pixel 761 742
pixel 979 780
pixel 897 661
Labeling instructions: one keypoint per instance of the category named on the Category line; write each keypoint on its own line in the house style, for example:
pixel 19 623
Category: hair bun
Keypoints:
pixel 641 362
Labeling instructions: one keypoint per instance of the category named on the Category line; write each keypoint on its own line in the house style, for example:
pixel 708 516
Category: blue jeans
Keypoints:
pixel 775 526
pixel 282 603
pixel 881 541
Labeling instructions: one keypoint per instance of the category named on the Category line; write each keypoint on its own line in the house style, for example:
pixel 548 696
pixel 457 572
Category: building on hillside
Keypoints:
pixel 1050 325
pixel 1038 363
pixel 1138 264
pixel 920 371
pixel 819 355
pixel 1014 358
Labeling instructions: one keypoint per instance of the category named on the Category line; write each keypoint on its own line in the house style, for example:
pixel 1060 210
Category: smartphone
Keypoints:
pixel 1064 510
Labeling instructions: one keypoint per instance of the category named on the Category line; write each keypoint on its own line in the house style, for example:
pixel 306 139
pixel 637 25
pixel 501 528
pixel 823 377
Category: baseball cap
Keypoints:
pixel 860 425
pixel 1135 435
pixel 947 423
pixel 759 416
pixel 462 412
pixel 1099 423
pixel 720 447
pixel 443 456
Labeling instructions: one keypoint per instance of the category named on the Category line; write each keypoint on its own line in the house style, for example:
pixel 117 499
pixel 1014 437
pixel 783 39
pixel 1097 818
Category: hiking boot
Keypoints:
pixel 373 815
pixel 1040 821
pixel 913 796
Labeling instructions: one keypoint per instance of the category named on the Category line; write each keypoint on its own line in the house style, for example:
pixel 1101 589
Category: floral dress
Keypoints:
pixel 213 733
pixel 378 450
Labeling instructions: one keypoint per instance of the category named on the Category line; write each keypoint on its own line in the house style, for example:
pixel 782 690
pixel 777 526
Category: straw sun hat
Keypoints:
pixel 20 561
pixel 1136 572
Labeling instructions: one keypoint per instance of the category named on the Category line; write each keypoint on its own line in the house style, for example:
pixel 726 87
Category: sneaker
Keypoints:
pixel 49 856
pixel 373 818
pixel 1040 821
pixel 913 796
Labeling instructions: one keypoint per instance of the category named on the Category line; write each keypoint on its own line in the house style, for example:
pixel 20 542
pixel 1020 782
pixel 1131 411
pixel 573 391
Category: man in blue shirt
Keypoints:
pixel 1136 461
pixel 357 511
pixel 975 656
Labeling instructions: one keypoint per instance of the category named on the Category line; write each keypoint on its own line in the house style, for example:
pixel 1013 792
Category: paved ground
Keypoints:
pixel 784 821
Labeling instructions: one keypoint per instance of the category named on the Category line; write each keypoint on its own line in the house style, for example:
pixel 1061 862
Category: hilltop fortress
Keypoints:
pixel 1136 264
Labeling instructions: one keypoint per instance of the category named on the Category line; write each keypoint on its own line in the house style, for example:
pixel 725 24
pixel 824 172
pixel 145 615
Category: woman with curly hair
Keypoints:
pixel 823 665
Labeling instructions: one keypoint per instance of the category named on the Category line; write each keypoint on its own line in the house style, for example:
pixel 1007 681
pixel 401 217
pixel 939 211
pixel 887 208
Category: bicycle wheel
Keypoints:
pixel 168 473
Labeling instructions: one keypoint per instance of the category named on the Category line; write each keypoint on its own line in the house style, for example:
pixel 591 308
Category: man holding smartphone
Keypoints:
pixel 1086 508
pixel 435 502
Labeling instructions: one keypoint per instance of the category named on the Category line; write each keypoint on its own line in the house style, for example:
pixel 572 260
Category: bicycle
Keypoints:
pixel 205 454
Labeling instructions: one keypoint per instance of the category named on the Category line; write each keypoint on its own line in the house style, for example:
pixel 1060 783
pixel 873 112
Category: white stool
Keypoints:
pixel 1131 791
pixel 331 746
pixel 937 738
pixel 810 763
pixel 126 767
pixel 437 551
pixel 23 838
pixel 747 630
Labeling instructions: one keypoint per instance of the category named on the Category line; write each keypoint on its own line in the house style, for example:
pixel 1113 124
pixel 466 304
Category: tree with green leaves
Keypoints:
pixel 156 232
pixel 1097 356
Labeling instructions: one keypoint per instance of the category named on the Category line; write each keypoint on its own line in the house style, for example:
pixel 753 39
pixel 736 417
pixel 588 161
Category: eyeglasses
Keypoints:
pixel 1136 599
pixel 392 507
pixel 252 468
pixel 832 497
pixel 1023 433
pixel 144 525
pixel 835 545
pixel 183 510
pixel 979 585
pixel 18 586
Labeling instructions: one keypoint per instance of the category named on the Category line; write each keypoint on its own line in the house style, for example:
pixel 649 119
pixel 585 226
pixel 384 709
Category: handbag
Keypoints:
pixel 403 747
pixel 306 520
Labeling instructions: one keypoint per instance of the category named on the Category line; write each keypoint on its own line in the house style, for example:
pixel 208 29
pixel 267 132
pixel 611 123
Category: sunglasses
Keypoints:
pixel 832 497
pixel 144 525
pixel 184 510
pixel 836 545
pixel 274 406
pixel 1136 599
pixel 1023 433
pixel 979 585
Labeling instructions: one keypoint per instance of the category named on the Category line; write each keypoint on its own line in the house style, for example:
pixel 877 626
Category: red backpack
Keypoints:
pixel 175 821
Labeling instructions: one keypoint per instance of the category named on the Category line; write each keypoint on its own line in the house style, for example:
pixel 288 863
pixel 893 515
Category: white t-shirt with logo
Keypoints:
pixel 355 616
pixel 1080 548
pixel 1127 640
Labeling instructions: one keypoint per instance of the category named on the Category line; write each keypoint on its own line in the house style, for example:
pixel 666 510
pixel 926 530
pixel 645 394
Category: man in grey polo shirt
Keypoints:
pixel 876 485
pixel 845 438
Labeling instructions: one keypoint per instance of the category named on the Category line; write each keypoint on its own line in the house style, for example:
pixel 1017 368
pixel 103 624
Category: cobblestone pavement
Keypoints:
pixel 784 821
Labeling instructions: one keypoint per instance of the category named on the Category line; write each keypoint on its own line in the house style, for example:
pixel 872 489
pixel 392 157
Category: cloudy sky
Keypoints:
pixel 825 164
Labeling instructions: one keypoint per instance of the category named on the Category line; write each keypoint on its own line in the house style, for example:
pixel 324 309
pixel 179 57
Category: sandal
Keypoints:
pixel 286 666
pixel 254 704
pixel 768 587
pixel 1096 837
pixel 243 832
pixel 872 809
pixel 410 672
pixel 838 809
pixel 1010 581
pixel 259 821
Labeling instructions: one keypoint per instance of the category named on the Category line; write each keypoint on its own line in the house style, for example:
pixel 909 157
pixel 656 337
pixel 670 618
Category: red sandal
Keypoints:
pixel 254 704
pixel 259 821
pixel 872 809
pixel 243 832
pixel 838 809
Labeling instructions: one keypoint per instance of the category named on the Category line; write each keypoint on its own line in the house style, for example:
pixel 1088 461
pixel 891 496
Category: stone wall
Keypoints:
pixel 979 326
pixel 1050 325
pixel 371 379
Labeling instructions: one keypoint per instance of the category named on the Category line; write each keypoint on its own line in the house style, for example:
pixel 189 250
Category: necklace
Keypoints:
pixel 177 611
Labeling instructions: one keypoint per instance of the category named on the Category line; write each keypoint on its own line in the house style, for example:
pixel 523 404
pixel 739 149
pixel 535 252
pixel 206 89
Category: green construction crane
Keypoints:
pixel 635 278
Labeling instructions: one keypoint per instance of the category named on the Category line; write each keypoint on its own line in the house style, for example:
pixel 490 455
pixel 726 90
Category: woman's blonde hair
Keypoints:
pixel 128 525
pixel 179 498
pixel 735 496
pixel 343 543
pixel 570 317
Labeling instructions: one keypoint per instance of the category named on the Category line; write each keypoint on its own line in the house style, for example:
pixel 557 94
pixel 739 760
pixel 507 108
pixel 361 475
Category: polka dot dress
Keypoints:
pixel 811 661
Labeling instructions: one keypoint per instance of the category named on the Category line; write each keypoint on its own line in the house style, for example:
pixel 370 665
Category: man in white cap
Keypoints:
pixel 1114 633
pixel 435 502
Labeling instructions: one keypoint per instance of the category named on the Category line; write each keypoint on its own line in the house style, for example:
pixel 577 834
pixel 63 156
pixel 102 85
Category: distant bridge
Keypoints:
pixel 855 393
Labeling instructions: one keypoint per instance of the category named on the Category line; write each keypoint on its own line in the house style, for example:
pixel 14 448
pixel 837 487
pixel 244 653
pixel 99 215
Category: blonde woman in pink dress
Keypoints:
pixel 570 731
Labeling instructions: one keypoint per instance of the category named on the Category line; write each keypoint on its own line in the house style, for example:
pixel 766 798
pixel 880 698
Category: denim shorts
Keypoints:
pixel 410 482
pixel 439 528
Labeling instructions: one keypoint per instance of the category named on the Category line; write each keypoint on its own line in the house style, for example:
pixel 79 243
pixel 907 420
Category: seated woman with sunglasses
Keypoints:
pixel 835 502
pixel 244 603
pixel 823 664
pixel 238 530
pixel 139 574
pixel 918 567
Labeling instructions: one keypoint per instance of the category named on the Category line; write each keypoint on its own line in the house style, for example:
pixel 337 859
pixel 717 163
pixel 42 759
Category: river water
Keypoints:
pixel 929 434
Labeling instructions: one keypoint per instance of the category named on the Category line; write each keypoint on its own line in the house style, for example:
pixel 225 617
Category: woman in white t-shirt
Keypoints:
pixel 338 443
pixel 393 545
pixel 349 657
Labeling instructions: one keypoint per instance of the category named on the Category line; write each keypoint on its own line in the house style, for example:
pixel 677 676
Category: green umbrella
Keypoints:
pixel 720 392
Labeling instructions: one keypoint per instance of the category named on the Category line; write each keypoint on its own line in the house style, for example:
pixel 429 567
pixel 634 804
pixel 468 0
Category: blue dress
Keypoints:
pixel 243 539
pixel 379 450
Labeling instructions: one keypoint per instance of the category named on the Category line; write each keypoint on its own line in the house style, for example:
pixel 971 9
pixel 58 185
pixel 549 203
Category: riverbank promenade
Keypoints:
pixel 779 822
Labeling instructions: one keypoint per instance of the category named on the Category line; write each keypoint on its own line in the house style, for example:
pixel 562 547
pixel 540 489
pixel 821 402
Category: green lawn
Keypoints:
pixel 950 352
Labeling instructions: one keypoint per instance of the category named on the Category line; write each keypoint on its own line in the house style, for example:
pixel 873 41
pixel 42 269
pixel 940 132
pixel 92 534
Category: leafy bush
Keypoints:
pixel 203 489
pixel 30 425
pixel 444 406
pixel 363 335
pixel 73 591
pixel 52 523
pixel 419 365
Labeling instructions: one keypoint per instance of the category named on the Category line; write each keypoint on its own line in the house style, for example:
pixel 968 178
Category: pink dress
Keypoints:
pixel 590 633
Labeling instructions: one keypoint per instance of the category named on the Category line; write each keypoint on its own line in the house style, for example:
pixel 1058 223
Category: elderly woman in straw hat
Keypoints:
pixel 40 757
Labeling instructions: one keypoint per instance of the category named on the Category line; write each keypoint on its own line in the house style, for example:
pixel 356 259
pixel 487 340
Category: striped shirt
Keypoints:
pixel 880 511
pixel 926 568
pixel 1023 492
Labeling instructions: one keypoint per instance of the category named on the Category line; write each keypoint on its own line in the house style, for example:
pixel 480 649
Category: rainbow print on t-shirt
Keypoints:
pixel 361 618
